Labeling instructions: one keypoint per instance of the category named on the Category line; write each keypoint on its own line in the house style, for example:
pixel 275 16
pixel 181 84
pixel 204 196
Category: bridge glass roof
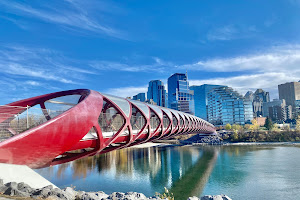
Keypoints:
pixel 168 112
pixel 156 109
pixel 120 102
pixel 141 106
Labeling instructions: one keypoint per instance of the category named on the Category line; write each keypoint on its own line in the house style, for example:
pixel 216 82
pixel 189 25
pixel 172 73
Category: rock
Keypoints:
pixel 134 196
pixel 1 182
pixel 91 196
pixel 193 198
pixel 16 192
pixel 79 194
pixel 11 185
pixel 50 187
pixel 11 189
pixel 48 191
pixel 3 188
pixel 116 196
pixel 41 193
pixel 70 192
pixel 59 193
pixel 101 195
pixel 225 197
pixel 24 187
pixel 215 197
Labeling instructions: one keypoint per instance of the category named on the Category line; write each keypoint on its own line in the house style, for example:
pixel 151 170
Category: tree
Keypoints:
pixel 254 126
pixel 236 128
pixel 268 123
pixel 227 127
pixel 298 123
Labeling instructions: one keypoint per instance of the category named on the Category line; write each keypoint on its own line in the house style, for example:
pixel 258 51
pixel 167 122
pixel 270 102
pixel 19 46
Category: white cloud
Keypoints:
pixel 268 81
pixel 264 69
pixel 157 65
pixel 231 32
pixel 126 91
pixel 40 64
pixel 33 83
pixel 223 33
pixel 68 14
pixel 276 59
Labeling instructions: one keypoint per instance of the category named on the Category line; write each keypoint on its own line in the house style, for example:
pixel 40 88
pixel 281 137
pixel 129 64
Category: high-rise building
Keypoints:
pixel 179 95
pixel 140 97
pixel 157 92
pixel 297 108
pixel 259 97
pixel 290 92
pixel 277 110
pixel 227 106
pixel 200 99
pixel 249 96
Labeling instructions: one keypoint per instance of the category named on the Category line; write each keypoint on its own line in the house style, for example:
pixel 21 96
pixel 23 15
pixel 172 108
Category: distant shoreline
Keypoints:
pixel 263 143
pixel 151 144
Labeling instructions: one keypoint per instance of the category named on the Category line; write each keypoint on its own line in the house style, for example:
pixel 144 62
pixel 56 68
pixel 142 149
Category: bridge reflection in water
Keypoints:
pixel 183 170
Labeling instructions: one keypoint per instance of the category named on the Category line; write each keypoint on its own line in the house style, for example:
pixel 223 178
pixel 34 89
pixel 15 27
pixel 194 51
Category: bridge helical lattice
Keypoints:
pixel 60 127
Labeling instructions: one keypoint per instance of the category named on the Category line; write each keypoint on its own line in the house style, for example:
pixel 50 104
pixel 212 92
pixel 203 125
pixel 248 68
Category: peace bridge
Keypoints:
pixel 64 126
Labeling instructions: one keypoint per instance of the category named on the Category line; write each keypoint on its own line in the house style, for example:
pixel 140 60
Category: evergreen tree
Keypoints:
pixel 269 123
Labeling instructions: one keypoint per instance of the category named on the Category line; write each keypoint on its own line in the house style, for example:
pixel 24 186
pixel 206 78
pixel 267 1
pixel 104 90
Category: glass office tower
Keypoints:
pixel 226 106
pixel 157 92
pixel 179 95
pixel 140 97
pixel 200 99
pixel 259 97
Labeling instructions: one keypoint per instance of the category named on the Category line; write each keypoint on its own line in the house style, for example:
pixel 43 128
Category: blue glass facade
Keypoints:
pixel 157 92
pixel 259 97
pixel 226 106
pixel 140 97
pixel 179 95
pixel 200 99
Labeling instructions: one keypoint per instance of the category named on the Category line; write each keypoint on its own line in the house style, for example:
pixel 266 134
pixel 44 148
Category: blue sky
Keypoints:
pixel 117 47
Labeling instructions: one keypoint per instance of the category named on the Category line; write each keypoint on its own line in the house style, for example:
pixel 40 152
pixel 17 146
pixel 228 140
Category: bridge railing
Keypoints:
pixel 17 119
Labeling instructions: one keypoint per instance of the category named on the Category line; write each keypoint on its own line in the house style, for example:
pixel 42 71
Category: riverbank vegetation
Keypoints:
pixel 254 133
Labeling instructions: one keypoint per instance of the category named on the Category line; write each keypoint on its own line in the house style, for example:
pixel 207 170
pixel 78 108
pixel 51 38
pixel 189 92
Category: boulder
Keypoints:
pixel 135 196
pixel 116 196
pixel 24 187
pixel 11 189
pixel 215 197
pixel 93 196
pixel 193 198
pixel 70 192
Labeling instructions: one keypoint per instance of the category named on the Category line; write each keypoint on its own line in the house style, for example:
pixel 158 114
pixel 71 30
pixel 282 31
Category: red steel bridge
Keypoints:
pixel 64 126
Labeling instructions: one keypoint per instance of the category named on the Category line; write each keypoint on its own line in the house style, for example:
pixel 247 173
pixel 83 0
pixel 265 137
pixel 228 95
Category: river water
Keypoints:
pixel 241 172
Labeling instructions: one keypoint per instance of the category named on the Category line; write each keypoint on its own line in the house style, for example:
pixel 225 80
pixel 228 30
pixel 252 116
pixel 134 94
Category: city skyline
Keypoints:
pixel 117 47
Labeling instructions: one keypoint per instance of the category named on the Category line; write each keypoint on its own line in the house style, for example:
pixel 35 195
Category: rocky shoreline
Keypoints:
pixel 13 189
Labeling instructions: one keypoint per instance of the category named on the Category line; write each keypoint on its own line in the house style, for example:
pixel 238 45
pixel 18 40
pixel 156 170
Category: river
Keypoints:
pixel 240 172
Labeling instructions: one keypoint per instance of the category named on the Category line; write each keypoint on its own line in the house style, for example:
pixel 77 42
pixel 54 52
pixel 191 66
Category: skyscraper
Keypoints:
pixel 290 92
pixel 140 97
pixel 277 110
pixel 157 92
pixel 227 106
pixel 200 99
pixel 179 95
pixel 249 96
pixel 259 97
pixel 297 107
